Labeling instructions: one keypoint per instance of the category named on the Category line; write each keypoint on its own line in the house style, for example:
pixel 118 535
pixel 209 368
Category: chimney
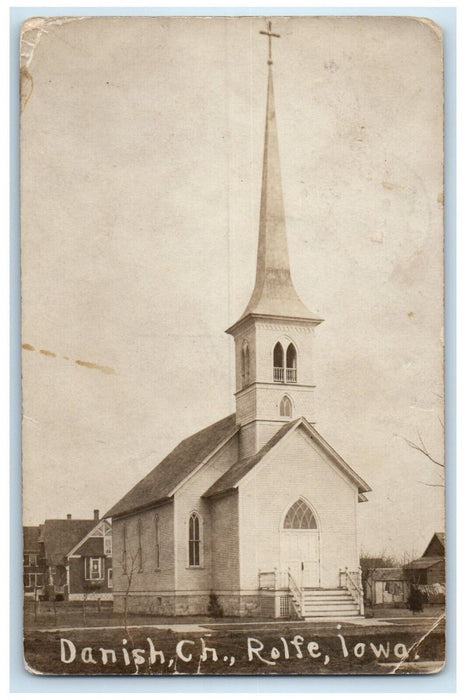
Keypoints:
pixel 96 514
pixel 68 517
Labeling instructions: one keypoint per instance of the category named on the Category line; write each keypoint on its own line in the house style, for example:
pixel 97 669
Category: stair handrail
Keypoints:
pixel 296 593
pixel 355 587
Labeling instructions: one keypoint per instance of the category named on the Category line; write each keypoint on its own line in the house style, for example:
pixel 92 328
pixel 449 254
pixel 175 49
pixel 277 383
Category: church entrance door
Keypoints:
pixel 299 545
pixel 300 554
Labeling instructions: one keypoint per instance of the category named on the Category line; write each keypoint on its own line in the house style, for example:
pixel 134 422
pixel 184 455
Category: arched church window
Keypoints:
pixel 278 363
pixel 140 544
pixel 300 517
pixel 291 363
pixel 245 365
pixel 194 543
pixel 156 541
pixel 285 407
pixel 125 537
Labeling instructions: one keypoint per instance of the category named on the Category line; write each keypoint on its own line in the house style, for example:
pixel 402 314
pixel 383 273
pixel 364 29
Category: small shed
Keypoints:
pixel 386 586
pixel 430 568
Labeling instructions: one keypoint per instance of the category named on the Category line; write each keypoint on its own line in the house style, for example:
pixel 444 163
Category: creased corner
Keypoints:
pixel 411 653
pixel 32 31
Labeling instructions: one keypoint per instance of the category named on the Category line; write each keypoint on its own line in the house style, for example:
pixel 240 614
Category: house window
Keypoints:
pixel 140 544
pixel 245 364
pixel 300 517
pixel 110 578
pixel 108 545
pixel 285 407
pixel 30 560
pixel 278 363
pixel 291 364
pixel 156 542
pixel 194 540
pixel 93 569
pixel 33 580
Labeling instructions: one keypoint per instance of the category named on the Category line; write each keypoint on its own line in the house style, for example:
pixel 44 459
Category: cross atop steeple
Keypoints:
pixel 270 34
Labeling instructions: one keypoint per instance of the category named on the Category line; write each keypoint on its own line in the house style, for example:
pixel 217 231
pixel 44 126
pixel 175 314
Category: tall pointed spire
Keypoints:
pixel 274 293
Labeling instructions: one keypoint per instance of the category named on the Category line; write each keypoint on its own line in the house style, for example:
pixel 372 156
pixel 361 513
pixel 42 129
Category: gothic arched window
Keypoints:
pixel 245 364
pixel 278 363
pixel 285 407
pixel 156 541
pixel 194 540
pixel 300 517
pixel 125 556
pixel 140 544
pixel 291 363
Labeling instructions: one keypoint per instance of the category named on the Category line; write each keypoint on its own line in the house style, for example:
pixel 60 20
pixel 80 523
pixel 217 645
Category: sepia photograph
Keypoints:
pixel 232 290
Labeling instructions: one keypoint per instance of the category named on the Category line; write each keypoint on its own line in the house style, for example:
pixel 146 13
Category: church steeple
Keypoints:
pixel 273 293
pixel 273 337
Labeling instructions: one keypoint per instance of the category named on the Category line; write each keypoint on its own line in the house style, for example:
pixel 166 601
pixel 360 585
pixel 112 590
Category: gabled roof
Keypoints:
pixel 436 546
pixel 179 464
pixel 238 471
pixel 235 473
pixel 425 563
pixel 59 536
pixel 101 528
pixel 31 538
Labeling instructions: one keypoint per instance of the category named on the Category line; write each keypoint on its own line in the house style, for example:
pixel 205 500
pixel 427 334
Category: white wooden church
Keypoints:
pixel 257 508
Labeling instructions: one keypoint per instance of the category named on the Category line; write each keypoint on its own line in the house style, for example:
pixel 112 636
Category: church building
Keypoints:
pixel 256 512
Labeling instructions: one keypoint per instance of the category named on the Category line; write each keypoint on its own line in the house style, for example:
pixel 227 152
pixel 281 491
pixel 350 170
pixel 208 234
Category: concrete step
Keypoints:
pixel 329 603
pixel 328 611
pixel 333 615
pixel 306 596
pixel 326 591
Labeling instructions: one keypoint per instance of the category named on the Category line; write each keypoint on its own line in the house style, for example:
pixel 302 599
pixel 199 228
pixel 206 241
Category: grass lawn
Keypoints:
pixel 204 646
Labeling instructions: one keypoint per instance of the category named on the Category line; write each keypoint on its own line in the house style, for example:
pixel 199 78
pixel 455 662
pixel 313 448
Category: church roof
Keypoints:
pixel 238 471
pixel 235 473
pixel 274 293
pixel 166 476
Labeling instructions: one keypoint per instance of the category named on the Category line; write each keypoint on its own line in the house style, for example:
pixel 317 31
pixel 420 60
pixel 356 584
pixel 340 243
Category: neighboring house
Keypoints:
pixel 386 586
pixel 257 508
pixel 33 561
pixel 89 564
pixel 430 568
pixel 77 558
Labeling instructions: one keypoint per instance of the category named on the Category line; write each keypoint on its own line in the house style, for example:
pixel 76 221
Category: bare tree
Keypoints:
pixel 129 566
pixel 420 446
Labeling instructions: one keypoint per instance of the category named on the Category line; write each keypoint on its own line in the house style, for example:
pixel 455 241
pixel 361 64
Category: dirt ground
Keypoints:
pixel 67 639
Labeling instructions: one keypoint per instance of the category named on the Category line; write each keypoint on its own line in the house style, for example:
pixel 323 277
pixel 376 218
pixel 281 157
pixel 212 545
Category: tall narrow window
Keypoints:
pixel 291 363
pixel 156 542
pixel 245 364
pixel 194 540
pixel 124 562
pixel 285 407
pixel 140 544
pixel 278 363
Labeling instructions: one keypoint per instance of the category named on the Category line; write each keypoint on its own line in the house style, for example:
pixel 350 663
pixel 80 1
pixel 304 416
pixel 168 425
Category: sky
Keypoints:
pixel 141 156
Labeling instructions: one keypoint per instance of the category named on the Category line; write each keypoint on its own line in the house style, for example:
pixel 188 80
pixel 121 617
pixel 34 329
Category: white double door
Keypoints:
pixel 299 552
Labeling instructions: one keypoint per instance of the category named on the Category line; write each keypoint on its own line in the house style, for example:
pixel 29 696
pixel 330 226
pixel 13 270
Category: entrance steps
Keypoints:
pixel 324 602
